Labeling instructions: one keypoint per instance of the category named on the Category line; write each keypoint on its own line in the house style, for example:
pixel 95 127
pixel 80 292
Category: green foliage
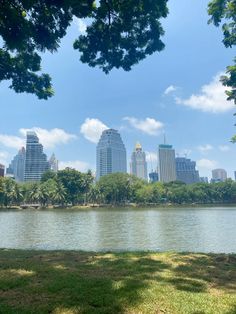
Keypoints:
pixel 121 34
pixel 71 187
pixel 225 11
pixel 48 175
pixel 118 188
pixel 74 184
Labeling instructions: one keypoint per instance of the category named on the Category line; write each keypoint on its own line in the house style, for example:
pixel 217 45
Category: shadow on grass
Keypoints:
pixel 216 270
pixel 77 282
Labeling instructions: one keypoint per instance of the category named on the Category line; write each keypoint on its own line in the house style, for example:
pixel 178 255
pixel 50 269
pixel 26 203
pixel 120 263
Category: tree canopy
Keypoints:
pixel 224 12
pixel 120 34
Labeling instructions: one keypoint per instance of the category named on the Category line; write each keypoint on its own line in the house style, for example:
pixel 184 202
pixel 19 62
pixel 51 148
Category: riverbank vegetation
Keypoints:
pixel 77 282
pixel 70 188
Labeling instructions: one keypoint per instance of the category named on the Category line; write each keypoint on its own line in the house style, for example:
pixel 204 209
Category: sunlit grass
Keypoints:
pixel 79 282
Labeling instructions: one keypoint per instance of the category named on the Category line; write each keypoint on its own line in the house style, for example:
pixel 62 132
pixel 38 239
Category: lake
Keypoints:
pixel 211 229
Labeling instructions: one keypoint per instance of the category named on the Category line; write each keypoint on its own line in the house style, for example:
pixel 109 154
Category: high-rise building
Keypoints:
pixel 186 170
pixel 235 175
pixel 36 161
pixel 111 154
pixel 53 163
pixel 153 177
pixel 138 165
pixel 17 166
pixel 166 163
pixel 219 175
pixel 2 170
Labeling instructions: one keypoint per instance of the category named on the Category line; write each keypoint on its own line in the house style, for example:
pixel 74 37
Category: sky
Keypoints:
pixel 175 92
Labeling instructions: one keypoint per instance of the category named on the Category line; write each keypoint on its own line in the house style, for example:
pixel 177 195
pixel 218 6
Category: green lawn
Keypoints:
pixel 78 282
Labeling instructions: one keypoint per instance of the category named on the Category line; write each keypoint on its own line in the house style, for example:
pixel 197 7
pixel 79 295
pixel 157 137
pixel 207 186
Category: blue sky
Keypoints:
pixel 175 92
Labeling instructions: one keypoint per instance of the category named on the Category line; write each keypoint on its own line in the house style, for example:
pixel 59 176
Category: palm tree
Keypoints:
pixel 58 194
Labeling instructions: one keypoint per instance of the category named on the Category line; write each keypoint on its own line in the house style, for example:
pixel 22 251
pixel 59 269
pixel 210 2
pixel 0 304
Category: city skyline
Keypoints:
pixel 152 165
pixel 160 94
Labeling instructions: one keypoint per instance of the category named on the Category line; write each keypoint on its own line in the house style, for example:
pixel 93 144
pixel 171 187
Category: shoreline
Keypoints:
pixel 112 207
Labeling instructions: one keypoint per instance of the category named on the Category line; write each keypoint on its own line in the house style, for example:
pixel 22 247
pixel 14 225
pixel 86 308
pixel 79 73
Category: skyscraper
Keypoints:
pixel 186 170
pixel 17 166
pixel 219 175
pixel 36 161
pixel 53 163
pixel 235 175
pixel 2 170
pixel 111 154
pixel 138 165
pixel 166 163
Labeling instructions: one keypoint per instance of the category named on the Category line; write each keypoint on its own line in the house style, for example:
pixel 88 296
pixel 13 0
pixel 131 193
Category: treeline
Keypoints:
pixel 70 187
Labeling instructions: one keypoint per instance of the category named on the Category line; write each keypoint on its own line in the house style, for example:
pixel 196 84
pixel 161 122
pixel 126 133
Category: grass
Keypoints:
pixel 77 282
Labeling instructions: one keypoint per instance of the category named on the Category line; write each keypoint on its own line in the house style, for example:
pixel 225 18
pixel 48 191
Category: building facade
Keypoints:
pixel 110 154
pixel 16 168
pixel 53 163
pixel 219 175
pixel 234 175
pixel 35 161
pixel 138 164
pixel 2 170
pixel 166 163
pixel 186 170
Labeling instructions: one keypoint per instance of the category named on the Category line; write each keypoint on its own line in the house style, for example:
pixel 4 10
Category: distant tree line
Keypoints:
pixel 70 187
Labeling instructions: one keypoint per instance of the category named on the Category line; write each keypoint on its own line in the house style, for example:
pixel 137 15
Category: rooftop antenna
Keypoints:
pixel 151 162
pixel 164 138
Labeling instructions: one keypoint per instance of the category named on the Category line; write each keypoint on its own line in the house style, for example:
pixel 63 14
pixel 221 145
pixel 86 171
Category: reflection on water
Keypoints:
pixel 186 229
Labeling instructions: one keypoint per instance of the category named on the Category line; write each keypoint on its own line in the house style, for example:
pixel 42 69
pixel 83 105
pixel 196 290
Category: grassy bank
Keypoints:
pixel 77 282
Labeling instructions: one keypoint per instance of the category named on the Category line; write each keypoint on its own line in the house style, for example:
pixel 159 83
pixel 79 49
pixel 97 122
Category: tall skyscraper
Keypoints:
pixel 36 161
pixel 138 165
pixel 111 154
pixel 2 170
pixel 186 170
pixel 17 166
pixel 53 163
pixel 219 175
pixel 166 163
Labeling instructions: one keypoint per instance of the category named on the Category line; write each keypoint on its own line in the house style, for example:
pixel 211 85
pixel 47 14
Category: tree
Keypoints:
pixel 58 194
pixel 120 34
pixel 225 10
pixel 49 174
pixel 73 182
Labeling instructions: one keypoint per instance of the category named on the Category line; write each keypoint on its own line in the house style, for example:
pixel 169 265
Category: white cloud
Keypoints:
pixel 81 25
pixel 75 164
pixel 50 138
pixel 205 148
pixel 170 89
pixel 149 126
pixel 12 141
pixel 206 164
pixel 224 148
pixel 211 98
pixel 185 152
pixel 151 157
pixel 92 129
pixel 4 158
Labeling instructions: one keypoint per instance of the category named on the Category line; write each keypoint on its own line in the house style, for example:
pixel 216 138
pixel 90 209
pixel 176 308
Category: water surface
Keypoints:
pixel 178 229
